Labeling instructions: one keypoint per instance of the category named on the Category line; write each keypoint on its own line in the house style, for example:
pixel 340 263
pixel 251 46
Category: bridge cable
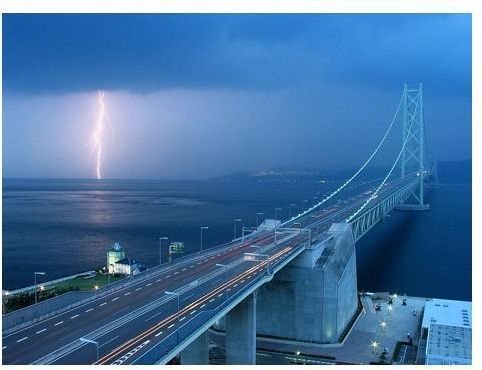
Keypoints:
pixel 374 194
pixel 347 182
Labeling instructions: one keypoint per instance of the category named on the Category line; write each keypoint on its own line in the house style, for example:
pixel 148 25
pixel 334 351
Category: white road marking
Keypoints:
pixel 59 323
pixel 218 254
pixel 158 334
pixel 40 331
pixel 182 318
pixel 115 299
pixel 193 312
pixel 211 300
pixel 73 317
pixel 168 276
pixel 127 293
pixel 21 340
pixel 249 276
pixel 228 289
pixel 102 304
pixel 177 272
pixel 149 284
pixel 242 281
pixel 199 263
pixel 90 309
pixel 138 289
pixel 4 347
pixel 170 326
pixel 158 280
pixel 220 295
pixel 203 305
pixel 235 286
pixel 191 266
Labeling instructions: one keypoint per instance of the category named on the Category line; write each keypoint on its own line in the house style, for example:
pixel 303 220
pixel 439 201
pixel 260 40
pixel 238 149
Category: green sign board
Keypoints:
pixel 176 248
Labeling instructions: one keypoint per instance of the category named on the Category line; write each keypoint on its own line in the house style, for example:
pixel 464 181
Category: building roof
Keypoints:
pixel 125 261
pixel 450 342
pixel 449 326
pixel 447 312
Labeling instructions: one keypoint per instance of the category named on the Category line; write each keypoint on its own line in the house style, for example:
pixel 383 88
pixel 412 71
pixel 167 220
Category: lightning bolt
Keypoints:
pixel 98 134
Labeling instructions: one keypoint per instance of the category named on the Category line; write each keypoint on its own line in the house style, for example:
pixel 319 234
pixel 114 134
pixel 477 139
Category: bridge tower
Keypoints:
pixel 413 139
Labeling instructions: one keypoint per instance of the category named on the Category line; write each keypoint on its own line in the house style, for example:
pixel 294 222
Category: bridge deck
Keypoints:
pixel 130 322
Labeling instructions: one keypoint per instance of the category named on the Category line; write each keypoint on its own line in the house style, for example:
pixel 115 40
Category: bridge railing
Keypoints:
pixel 196 325
pixel 371 216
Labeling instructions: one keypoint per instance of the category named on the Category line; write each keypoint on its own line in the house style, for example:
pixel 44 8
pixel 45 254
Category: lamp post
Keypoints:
pixel 178 309
pixel 298 223
pixel 266 257
pixel 160 248
pixel 276 213
pixel 85 340
pixel 383 325
pixel 291 207
pixel 258 214
pixel 374 345
pixel 236 220
pixel 203 228
pixel 35 281
pixel 226 277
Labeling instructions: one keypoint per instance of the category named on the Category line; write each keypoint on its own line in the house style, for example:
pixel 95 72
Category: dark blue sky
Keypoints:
pixel 201 95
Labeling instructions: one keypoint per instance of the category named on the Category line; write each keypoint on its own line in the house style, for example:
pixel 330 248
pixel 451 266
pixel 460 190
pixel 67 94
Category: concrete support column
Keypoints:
pixel 241 333
pixel 197 353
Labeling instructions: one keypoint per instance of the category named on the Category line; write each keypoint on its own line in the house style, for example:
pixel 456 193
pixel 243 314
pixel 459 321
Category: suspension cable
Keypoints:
pixel 357 172
pixel 374 195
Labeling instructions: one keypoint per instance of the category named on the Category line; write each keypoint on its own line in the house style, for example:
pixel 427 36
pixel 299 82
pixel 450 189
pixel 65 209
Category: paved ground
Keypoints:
pixel 358 349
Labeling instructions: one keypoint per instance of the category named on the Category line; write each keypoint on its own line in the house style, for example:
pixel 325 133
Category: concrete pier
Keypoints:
pixel 241 333
pixel 197 353
pixel 314 298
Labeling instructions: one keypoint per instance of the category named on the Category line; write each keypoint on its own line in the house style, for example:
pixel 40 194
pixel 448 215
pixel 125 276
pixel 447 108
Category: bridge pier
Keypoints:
pixel 241 333
pixel 197 353
pixel 314 298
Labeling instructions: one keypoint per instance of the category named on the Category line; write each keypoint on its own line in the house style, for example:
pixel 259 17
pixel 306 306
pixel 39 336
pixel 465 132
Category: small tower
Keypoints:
pixel 116 253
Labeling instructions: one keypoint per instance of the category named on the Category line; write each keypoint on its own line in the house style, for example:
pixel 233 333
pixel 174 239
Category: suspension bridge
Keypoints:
pixel 293 279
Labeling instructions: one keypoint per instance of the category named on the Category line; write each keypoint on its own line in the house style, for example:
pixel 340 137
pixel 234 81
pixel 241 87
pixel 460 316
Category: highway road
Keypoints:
pixel 130 323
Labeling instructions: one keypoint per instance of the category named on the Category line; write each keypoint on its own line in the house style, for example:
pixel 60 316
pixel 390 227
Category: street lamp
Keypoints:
pixel 390 309
pixel 374 345
pixel 226 277
pixel 258 214
pixel 291 206
pixel 178 309
pixel 276 213
pixel 85 340
pixel 160 248
pixel 383 325
pixel 236 220
pixel 35 280
pixel 266 257
pixel 203 228
pixel 297 223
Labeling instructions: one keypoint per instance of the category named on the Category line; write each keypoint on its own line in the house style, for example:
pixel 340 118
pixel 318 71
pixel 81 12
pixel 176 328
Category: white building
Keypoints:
pixel 126 267
pixel 447 326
